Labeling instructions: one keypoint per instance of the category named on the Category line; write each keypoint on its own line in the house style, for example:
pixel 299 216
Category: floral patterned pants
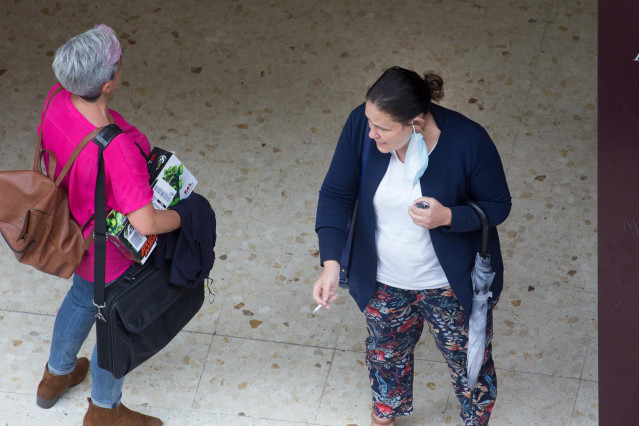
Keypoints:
pixel 395 319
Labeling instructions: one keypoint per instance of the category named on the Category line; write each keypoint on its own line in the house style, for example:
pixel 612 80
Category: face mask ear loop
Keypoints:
pixel 412 124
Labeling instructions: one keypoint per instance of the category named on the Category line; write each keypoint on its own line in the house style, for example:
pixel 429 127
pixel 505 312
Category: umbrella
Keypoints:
pixel 482 277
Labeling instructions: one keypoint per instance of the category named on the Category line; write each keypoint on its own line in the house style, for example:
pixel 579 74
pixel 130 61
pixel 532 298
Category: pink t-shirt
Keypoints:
pixel 126 175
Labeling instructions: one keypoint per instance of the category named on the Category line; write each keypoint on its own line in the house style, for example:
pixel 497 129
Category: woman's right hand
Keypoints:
pixel 324 289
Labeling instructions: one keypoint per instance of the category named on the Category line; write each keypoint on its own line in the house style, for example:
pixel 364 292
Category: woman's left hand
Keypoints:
pixel 434 216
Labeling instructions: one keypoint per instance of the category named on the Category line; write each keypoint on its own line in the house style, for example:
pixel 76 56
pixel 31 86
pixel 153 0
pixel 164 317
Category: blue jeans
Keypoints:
pixel 72 326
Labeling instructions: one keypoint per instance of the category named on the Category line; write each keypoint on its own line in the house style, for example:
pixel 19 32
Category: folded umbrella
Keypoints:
pixel 482 277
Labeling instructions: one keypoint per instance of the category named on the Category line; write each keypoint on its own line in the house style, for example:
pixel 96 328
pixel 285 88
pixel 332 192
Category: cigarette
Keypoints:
pixel 317 308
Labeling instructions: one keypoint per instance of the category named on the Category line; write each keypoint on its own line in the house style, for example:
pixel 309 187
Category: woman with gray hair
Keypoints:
pixel 89 68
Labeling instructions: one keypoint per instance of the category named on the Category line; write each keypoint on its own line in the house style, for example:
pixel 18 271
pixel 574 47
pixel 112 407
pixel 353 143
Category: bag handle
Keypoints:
pixel 38 154
pixel 52 163
pixel 483 251
pixel 76 152
pixel 37 161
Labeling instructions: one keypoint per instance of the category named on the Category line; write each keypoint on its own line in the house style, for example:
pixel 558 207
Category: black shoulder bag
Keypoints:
pixel 141 312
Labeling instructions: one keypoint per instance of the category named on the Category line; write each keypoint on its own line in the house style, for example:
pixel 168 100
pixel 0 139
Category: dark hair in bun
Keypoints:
pixel 403 94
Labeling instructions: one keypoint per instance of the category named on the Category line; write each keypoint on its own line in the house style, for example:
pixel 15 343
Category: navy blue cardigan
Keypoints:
pixel 464 165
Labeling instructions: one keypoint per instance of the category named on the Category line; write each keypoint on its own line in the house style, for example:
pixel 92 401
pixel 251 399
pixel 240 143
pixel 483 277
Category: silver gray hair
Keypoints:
pixel 87 61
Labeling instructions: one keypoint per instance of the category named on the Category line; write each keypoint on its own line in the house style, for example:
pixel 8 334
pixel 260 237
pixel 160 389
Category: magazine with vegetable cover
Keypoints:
pixel 171 182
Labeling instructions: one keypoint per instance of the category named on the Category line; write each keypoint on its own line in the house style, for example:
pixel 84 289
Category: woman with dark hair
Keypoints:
pixel 89 68
pixel 411 265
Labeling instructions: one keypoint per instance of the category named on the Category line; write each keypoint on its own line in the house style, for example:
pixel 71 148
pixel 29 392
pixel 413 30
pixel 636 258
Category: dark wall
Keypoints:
pixel 618 211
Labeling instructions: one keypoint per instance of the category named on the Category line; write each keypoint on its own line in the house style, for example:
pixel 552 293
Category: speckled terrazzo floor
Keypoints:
pixel 252 96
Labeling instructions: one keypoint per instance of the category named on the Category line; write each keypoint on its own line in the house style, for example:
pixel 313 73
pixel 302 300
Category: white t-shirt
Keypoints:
pixel 405 255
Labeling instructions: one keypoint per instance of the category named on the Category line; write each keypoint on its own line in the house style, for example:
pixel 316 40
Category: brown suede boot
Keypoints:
pixel 52 386
pixel 119 416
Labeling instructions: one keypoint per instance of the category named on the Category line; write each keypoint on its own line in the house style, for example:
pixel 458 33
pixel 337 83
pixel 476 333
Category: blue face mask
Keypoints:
pixel 416 159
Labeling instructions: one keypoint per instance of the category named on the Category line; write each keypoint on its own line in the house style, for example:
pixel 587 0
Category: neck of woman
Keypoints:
pixel 97 112
pixel 401 153
pixel 430 132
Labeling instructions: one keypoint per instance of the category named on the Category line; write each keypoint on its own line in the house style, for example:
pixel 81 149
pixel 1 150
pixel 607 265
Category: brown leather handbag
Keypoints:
pixel 35 219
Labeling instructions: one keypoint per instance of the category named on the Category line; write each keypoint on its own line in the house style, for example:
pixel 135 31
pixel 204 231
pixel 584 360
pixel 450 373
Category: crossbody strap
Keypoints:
pixel 102 140
pixel 346 254
pixel 67 167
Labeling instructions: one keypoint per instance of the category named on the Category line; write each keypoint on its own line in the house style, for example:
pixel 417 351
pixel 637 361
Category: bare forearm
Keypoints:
pixel 149 221
pixel 164 221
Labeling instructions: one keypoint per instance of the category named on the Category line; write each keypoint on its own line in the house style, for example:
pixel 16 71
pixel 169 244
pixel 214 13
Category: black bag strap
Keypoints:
pixel 346 254
pixel 102 140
